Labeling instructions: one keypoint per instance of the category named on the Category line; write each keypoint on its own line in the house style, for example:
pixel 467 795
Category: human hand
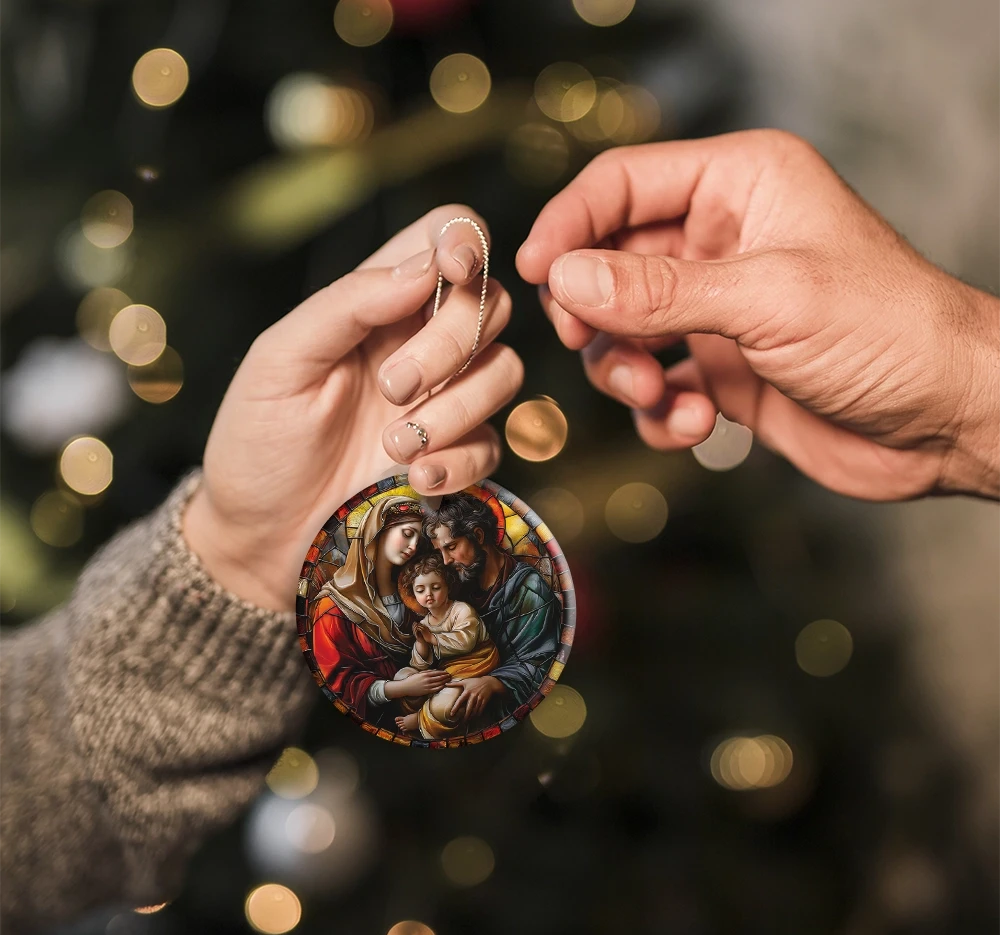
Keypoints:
pixel 475 694
pixel 319 406
pixel 808 318
pixel 428 682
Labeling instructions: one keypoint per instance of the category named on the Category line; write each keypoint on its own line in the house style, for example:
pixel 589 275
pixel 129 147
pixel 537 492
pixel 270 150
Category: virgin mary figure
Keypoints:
pixel 361 628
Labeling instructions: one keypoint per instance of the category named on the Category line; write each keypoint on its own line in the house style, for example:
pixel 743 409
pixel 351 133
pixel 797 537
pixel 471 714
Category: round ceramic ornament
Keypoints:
pixel 435 623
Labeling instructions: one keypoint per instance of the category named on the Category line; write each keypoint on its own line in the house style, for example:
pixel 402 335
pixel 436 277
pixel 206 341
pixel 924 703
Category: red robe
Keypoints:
pixel 351 662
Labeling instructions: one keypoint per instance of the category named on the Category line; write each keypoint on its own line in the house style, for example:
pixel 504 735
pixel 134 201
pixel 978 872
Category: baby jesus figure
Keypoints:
pixel 450 636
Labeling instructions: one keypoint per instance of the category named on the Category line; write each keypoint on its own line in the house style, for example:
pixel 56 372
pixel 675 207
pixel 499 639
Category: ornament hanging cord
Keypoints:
pixel 482 294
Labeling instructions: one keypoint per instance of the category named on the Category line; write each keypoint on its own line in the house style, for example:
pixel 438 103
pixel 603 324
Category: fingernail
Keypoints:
pixel 401 381
pixel 415 266
pixel 407 442
pixel 585 279
pixel 620 382
pixel 466 258
pixel 434 475
pixel 685 421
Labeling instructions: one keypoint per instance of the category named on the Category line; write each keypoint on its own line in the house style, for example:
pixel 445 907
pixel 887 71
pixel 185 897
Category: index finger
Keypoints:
pixel 459 249
pixel 621 188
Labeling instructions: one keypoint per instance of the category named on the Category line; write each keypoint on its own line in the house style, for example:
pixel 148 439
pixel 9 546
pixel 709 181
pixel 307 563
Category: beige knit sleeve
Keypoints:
pixel 135 720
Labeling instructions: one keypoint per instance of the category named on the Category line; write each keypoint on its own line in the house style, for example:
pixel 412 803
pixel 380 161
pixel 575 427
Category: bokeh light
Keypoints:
pixel 536 153
pixel 294 776
pixel 147 173
pixel 603 12
pixel 823 648
pixel 537 429
pixel 106 219
pixel 561 714
pixel 743 763
pixel 560 510
pixel 86 465
pixel 636 512
pixel 57 519
pixel 273 909
pixel 310 828
pixel 96 311
pixel 467 861
pixel 138 334
pixel 460 83
pixel 159 78
pixel 85 266
pixel 362 22
pixel 640 116
pixel 305 110
pixel 565 91
pixel 149 910
pixel 159 381
pixel 727 447
pixel 410 928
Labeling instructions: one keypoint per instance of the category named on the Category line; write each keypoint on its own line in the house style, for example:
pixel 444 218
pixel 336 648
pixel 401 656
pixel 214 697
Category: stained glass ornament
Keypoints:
pixel 435 623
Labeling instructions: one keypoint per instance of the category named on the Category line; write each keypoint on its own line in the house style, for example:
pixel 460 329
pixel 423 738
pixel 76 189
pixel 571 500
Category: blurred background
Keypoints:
pixel 781 712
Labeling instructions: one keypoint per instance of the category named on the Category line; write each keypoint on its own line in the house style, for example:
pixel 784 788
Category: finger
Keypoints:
pixel 647 296
pixel 491 381
pixel 442 347
pixel 477 706
pixel 454 468
pixel 624 371
pixel 334 320
pixel 711 180
pixel 571 331
pixel 684 417
pixel 452 248
pixel 461 701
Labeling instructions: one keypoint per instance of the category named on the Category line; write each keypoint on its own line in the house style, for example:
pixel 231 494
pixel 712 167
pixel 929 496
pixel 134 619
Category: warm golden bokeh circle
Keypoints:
pixel 57 519
pixel 362 22
pixel 86 465
pixel 823 648
pixel 273 909
pixel 295 774
pixel 160 77
pixel 561 714
pixel 159 381
pixel 106 219
pixel 603 12
pixel 636 512
pixel 565 91
pixel 460 83
pixel 467 861
pixel 310 828
pixel 138 334
pixel 537 429
pixel 410 928
pixel 743 763
pixel 96 311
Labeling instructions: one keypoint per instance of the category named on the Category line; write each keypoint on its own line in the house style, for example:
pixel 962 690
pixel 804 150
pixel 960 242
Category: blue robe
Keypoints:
pixel 523 616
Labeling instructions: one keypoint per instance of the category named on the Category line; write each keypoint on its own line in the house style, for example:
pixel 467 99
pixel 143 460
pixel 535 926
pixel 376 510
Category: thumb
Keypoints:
pixel 642 296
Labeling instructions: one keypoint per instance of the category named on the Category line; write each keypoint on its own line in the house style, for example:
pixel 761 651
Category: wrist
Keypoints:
pixel 219 549
pixel 972 466
pixel 394 689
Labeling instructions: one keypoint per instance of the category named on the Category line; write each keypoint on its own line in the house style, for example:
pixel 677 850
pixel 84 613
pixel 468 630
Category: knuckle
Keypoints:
pixel 653 288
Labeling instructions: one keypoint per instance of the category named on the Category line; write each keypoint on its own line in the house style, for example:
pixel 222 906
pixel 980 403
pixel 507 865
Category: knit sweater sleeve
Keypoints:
pixel 135 720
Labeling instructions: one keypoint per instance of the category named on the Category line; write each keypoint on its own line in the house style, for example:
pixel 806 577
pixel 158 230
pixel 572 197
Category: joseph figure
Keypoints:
pixel 520 610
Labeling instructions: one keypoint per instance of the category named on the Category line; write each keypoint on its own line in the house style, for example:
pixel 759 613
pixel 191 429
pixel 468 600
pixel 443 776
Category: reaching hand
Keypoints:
pixel 319 406
pixel 475 695
pixel 807 317
pixel 428 682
